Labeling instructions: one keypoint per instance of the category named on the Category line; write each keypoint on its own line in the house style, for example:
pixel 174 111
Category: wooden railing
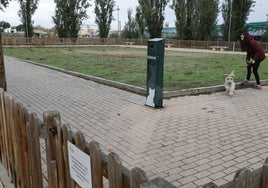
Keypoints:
pixel 22 135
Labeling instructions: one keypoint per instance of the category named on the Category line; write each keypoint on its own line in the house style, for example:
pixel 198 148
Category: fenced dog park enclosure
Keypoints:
pixel 212 45
pixel 35 154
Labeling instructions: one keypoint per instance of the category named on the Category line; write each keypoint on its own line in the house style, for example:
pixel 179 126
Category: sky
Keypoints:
pixel 46 9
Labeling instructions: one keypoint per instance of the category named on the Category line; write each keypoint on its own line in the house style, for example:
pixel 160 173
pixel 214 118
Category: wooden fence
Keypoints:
pixel 19 41
pixel 2 67
pixel 244 178
pixel 21 138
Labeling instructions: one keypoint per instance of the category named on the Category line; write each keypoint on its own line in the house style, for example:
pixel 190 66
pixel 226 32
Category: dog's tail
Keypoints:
pixel 232 73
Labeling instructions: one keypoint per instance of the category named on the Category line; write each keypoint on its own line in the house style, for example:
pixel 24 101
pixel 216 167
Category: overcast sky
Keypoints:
pixel 46 8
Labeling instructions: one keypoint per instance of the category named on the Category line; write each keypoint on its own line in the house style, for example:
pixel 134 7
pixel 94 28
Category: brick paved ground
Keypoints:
pixel 191 141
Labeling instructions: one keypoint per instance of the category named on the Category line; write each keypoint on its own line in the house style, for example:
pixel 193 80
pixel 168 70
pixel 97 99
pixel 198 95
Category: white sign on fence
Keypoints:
pixel 80 168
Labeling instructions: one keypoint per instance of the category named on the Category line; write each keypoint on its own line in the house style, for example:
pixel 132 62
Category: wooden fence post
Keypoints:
pixel 3 83
pixel 242 178
pixel 114 171
pixel 210 185
pixel 9 131
pixel 3 131
pixel 34 152
pixel 22 117
pixel 96 164
pixel 56 174
pixel 137 177
pixel 67 136
pixel 80 142
pixel 15 136
pixel 265 174
pixel 20 146
pixel 157 183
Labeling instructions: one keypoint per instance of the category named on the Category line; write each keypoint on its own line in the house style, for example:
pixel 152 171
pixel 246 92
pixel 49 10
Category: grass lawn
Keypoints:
pixel 182 70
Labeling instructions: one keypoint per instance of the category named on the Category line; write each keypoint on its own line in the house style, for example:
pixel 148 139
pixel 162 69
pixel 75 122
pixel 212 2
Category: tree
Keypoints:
pixel 141 22
pixel 69 16
pixel 179 7
pixel 4 24
pixel 264 37
pixel 25 13
pixel 190 17
pixel 207 12
pixel 130 29
pixel 3 4
pixel 195 19
pixel 104 16
pixel 235 14
pixel 153 11
pixel 186 18
pixel 20 27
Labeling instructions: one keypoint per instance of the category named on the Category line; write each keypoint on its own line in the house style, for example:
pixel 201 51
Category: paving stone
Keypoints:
pixel 204 134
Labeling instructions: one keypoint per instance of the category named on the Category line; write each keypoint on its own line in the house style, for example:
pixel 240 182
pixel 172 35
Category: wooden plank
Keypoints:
pixel 48 117
pixel 242 178
pixel 96 164
pixel 265 174
pixel 137 177
pixel 15 127
pixel 114 171
pixel 3 83
pixel 25 167
pixel 125 177
pixel 34 151
pixel 210 185
pixel 67 136
pixel 59 152
pixel 157 183
pixel 80 142
pixel 1 126
pixel 9 118
pixel 256 180
pixel 6 133
pixel 54 175
pixel 3 130
pixel 104 165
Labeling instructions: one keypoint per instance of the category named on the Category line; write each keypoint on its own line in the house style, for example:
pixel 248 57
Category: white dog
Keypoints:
pixel 229 83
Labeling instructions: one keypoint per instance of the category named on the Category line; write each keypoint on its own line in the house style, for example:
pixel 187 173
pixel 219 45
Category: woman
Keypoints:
pixel 255 55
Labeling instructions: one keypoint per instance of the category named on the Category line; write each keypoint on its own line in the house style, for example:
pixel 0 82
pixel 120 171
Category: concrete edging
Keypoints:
pixel 142 91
